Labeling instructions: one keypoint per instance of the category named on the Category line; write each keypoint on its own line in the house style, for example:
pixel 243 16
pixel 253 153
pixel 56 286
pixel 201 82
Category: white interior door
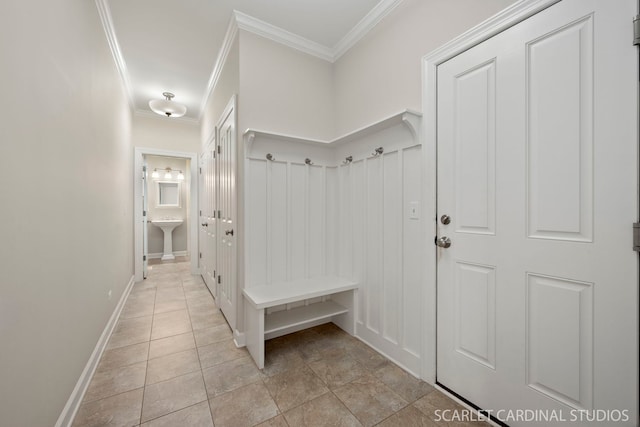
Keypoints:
pixel 145 220
pixel 226 215
pixel 207 218
pixel 537 170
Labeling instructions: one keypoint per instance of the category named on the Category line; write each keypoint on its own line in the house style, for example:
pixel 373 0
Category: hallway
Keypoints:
pixel 171 361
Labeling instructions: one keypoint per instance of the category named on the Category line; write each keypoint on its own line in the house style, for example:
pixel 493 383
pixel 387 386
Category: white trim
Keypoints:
pixel 73 404
pixel 279 35
pixel 509 17
pixel 139 153
pixel 110 32
pixel 409 118
pixel 366 24
pixel 239 339
pixel 159 254
pixel 229 38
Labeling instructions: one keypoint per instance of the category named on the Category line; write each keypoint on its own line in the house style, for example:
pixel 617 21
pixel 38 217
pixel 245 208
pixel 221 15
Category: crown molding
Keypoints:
pixel 271 32
pixel 221 60
pixel 114 46
pixel 253 25
pixel 366 24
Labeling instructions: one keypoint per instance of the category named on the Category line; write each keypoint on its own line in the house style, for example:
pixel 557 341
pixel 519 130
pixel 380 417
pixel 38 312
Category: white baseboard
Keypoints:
pixel 401 357
pixel 159 254
pixel 73 404
pixel 239 339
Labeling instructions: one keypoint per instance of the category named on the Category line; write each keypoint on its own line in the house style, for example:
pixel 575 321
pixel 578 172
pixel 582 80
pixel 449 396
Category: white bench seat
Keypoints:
pixel 260 326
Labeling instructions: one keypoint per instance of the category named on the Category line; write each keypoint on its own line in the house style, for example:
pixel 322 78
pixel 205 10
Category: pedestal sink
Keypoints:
pixel 167 226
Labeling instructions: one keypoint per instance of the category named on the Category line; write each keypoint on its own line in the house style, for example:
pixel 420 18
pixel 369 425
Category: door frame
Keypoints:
pixel 139 153
pixel 509 17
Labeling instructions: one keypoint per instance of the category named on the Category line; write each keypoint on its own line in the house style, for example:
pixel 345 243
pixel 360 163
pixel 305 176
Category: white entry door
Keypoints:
pixel 537 171
pixel 226 215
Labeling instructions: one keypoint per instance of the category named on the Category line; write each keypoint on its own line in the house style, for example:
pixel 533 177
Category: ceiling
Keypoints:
pixel 170 45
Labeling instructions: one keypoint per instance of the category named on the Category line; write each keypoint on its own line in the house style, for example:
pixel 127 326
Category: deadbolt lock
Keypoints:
pixel 445 219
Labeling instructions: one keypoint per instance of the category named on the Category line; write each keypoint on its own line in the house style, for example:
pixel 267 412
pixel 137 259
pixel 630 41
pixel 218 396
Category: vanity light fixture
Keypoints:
pixel 167 107
pixel 168 173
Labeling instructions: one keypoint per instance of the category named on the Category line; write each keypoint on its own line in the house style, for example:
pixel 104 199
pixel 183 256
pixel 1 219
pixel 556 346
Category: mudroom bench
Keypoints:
pixel 337 304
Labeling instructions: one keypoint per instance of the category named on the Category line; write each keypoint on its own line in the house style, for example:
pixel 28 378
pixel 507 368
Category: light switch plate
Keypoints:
pixel 414 210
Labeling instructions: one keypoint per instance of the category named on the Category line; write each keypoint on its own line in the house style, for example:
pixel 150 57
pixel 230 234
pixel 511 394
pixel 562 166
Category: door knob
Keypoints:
pixel 229 232
pixel 443 242
pixel 204 224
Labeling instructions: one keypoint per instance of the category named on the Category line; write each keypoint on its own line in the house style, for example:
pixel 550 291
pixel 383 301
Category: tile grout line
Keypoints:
pixel 206 391
pixel 146 371
pixel 197 403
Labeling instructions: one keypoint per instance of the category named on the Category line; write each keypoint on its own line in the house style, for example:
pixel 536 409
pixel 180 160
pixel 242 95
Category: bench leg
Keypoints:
pixel 254 333
pixel 347 321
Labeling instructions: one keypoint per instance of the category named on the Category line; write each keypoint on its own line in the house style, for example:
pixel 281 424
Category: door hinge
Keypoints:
pixel 144 213
pixel 219 215
pixel 200 171
pixel 144 257
pixel 200 213
pixel 219 279
pixel 636 30
pixel 636 236
pixel 214 273
pixel 219 150
pixel 200 254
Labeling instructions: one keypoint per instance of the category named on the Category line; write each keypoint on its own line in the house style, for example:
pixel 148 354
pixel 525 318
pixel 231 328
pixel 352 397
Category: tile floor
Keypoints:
pixel 171 361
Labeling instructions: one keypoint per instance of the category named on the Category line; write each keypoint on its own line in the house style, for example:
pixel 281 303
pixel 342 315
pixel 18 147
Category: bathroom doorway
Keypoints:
pixel 166 204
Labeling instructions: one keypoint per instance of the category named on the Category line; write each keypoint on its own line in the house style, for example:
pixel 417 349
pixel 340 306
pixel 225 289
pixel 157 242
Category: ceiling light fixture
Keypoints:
pixel 168 173
pixel 167 107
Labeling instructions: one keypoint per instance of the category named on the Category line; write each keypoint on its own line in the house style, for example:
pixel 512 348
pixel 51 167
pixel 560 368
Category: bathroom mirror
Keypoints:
pixel 168 194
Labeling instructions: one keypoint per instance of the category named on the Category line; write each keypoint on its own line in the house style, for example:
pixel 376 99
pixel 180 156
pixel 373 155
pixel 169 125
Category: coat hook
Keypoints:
pixel 270 157
pixel 308 161
pixel 347 160
pixel 378 151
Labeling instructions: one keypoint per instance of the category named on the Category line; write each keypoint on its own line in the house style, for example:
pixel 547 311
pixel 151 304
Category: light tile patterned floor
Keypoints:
pixel 171 361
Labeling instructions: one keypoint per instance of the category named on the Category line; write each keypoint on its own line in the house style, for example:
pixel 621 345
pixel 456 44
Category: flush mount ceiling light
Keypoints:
pixel 167 107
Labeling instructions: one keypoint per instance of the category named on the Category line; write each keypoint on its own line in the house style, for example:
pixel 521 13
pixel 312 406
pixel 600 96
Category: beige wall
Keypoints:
pixel 227 86
pixel 287 91
pixel 67 202
pixel 284 90
pixel 381 74
pixel 165 133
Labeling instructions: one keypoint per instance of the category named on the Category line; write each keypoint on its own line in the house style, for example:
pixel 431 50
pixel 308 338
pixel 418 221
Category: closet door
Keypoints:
pixel 226 215
pixel 207 217
pixel 537 176
pixel 145 219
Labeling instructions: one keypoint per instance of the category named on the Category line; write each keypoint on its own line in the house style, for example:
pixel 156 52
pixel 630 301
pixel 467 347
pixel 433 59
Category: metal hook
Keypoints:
pixel 378 151
pixel 270 157
pixel 308 161
pixel 347 160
